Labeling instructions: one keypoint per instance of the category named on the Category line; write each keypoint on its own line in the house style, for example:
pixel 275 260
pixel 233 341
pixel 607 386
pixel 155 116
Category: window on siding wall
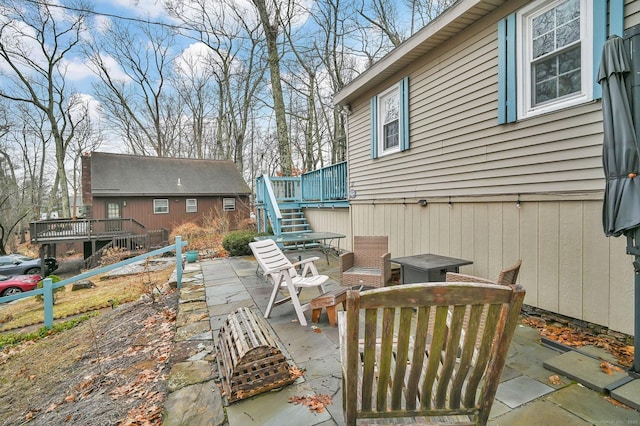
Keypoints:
pixel 160 206
pixel 228 204
pixel 390 120
pixel 192 205
pixel 548 54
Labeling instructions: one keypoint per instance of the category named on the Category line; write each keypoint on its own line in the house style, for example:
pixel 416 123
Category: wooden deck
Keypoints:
pixel 58 230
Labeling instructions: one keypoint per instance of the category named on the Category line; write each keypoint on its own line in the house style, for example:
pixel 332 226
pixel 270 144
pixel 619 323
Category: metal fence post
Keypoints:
pixel 48 302
pixel 179 260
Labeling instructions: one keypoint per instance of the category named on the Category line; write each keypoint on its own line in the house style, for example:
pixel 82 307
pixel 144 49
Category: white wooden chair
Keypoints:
pixel 283 276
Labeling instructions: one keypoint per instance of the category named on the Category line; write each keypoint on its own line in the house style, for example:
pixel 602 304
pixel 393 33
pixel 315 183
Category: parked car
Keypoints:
pixel 18 284
pixel 17 264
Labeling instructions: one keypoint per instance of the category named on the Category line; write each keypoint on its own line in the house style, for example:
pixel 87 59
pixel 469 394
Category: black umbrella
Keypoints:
pixel 621 161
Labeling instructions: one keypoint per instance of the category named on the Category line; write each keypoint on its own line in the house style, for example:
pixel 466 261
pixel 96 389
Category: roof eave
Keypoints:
pixel 453 21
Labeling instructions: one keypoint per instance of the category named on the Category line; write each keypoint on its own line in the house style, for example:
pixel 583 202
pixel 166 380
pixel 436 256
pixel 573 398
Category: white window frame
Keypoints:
pixel 525 95
pixel 191 205
pixel 391 91
pixel 159 208
pixel 228 204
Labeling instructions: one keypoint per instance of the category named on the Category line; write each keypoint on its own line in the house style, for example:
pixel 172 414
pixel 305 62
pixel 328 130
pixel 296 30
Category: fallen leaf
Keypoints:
pixel 71 398
pixel 609 368
pixel 554 380
pixel 316 403
pixel 295 372
pixel 616 403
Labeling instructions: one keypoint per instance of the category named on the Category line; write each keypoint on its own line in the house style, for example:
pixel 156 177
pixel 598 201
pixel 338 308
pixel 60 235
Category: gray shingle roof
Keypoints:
pixel 120 174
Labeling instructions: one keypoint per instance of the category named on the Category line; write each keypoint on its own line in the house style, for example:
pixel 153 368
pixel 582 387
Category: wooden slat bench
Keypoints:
pixel 328 300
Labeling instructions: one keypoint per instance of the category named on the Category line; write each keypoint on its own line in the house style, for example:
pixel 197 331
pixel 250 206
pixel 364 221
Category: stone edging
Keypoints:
pixel 194 397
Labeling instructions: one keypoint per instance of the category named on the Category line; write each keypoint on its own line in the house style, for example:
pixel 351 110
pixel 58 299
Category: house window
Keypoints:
pixel 228 204
pixel 192 205
pixel 390 120
pixel 160 206
pixel 549 53
pixel 556 55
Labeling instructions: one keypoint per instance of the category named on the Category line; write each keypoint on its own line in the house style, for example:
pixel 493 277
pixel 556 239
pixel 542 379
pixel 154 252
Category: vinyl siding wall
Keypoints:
pixel 460 154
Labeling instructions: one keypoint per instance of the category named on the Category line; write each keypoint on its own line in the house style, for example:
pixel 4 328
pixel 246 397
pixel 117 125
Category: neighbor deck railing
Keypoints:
pixel 48 286
pixel 60 229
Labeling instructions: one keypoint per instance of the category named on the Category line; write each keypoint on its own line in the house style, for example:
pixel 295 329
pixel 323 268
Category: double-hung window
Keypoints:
pixel 160 206
pixel 556 56
pixel 549 53
pixel 390 120
pixel 192 205
pixel 228 204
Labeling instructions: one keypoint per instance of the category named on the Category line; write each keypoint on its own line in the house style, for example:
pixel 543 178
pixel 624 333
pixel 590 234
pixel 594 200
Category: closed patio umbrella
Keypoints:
pixel 621 209
pixel 621 161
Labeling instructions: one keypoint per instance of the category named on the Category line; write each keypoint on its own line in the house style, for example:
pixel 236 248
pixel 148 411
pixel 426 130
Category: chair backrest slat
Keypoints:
pixel 270 257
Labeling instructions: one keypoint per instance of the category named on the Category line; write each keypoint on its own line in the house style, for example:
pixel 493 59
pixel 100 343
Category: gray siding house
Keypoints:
pixel 491 116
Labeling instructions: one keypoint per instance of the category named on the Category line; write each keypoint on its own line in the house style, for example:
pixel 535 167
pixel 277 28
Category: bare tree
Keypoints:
pixel 35 39
pixel 234 77
pixel 87 138
pixel 133 91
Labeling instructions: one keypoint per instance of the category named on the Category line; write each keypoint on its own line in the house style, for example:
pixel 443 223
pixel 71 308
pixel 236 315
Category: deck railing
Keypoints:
pixel 48 286
pixel 326 187
pixel 60 229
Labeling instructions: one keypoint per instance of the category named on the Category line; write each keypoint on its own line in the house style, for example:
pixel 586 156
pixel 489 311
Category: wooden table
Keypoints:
pixel 427 267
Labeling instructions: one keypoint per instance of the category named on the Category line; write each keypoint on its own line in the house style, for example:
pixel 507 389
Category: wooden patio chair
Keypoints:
pixel 401 357
pixel 507 276
pixel 283 275
pixel 368 264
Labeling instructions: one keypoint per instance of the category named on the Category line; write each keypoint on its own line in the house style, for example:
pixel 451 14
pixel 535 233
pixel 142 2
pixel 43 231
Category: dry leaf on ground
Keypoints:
pixel 316 403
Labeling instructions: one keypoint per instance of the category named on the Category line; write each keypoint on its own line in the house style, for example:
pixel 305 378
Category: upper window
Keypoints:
pixel 228 204
pixel 160 206
pixel 390 120
pixel 555 60
pixel 192 205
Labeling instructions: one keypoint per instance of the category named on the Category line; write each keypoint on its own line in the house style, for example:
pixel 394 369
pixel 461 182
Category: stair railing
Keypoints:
pixel 270 206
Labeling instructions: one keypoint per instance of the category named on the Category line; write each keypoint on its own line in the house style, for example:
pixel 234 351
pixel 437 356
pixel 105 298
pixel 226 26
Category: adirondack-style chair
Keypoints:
pixel 283 275
pixel 402 357
pixel 368 264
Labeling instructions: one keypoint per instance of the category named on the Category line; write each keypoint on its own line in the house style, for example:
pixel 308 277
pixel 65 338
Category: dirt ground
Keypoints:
pixel 109 370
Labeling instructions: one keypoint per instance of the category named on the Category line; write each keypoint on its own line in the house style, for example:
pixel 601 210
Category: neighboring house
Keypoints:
pixel 480 137
pixel 161 193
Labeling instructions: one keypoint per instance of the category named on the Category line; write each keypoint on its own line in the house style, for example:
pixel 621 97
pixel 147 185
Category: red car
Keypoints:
pixel 18 284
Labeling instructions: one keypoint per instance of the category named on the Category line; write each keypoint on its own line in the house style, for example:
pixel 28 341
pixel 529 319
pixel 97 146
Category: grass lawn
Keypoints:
pixel 107 293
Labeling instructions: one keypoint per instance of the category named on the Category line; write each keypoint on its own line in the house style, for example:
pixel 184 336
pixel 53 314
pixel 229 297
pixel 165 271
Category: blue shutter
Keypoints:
pixel 404 114
pixel 374 127
pixel 507 106
pixel 616 17
pixel 615 12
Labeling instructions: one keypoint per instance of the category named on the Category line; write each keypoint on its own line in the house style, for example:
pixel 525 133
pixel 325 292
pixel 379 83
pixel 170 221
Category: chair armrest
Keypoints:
pixel 456 277
pixel 346 261
pixel 307 260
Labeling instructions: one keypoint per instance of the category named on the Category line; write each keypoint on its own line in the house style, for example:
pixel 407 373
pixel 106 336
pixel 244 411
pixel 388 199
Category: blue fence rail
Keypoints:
pixel 48 286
